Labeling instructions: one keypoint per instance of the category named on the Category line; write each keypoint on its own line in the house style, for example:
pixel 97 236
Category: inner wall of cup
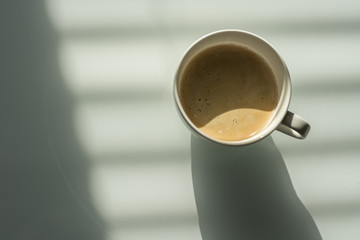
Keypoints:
pixel 262 48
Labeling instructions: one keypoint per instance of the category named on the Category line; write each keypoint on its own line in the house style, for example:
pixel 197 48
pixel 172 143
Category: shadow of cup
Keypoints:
pixel 246 193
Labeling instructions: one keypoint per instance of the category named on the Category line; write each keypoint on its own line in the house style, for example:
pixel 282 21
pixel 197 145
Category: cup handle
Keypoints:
pixel 293 125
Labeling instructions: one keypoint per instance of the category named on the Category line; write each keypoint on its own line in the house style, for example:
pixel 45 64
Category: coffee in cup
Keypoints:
pixel 228 91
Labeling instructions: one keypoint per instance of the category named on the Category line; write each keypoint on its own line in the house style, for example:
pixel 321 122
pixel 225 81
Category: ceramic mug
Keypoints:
pixel 282 119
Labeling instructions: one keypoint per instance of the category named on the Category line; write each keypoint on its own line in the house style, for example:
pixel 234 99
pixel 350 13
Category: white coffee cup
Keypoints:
pixel 282 120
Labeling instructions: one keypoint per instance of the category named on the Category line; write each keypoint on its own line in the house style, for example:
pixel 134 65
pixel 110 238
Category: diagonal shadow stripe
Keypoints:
pixel 173 156
pixel 166 156
pixel 326 146
pixel 154 221
pixel 340 209
pixel 285 27
pixel 326 210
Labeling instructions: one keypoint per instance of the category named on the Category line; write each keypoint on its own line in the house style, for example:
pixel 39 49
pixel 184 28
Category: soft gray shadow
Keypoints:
pixel 43 185
pixel 246 193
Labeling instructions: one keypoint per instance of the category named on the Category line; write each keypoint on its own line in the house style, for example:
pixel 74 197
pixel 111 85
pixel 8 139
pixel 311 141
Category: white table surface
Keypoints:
pixel 118 59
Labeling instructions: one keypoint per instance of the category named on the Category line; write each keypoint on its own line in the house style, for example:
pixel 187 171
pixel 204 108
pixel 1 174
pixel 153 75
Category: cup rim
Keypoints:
pixel 281 109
